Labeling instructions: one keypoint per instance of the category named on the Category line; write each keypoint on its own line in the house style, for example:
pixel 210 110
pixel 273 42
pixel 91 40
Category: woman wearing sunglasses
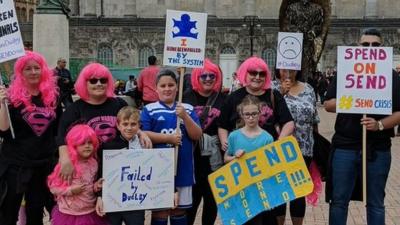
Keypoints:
pixel 255 77
pixel 26 159
pixel 97 107
pixel 207 101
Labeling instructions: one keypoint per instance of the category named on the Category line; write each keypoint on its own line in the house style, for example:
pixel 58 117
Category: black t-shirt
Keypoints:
pixel 209 125
pixel 116 144
pixel 269 117
pixel 102 118
pixel 348 130
pixel 35 131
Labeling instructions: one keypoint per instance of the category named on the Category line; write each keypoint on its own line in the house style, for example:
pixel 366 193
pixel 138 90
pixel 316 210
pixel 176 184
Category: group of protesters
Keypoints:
pixel 52 158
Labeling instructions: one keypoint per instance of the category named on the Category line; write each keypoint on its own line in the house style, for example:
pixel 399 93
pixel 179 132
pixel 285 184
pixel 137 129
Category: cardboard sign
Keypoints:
pixel 185 39
pixel 364 80
pixel 289 51
pixel 11 44
pixel 138 179
pixel 260 180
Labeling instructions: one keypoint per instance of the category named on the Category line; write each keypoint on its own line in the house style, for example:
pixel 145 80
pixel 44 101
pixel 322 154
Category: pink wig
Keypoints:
pixel 209 67
pixel 253 64
pixel 93 70
pixel 78 135
pixel 48 89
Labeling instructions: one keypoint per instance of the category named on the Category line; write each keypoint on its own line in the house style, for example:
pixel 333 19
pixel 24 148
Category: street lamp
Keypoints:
pixel 251 21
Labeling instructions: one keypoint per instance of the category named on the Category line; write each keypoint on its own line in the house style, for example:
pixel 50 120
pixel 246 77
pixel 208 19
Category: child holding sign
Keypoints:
pixel 128 125
pixel 248 138
pixel 76 201
pixel 159 121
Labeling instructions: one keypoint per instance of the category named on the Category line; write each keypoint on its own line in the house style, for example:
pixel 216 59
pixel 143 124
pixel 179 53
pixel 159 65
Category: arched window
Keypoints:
pixel 269 56
pixel 105 55
pixel 228 50
pixel 144 53
pixel 23 15
pixel 31 12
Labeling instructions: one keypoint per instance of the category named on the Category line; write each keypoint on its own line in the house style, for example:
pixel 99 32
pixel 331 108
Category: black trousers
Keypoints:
pixel 37 196
pixel 202 190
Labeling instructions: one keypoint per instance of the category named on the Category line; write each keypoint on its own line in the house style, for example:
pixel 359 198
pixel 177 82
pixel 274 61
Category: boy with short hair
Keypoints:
pixel 128 124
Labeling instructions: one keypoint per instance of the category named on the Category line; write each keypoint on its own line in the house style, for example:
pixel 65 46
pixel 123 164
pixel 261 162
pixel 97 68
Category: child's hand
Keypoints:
pixel 145 140
pixel 77 189
pixel 99 207
pixel 176 199
pixel 98 185
pixel 175 139
pixel 180 111
pixel 239 153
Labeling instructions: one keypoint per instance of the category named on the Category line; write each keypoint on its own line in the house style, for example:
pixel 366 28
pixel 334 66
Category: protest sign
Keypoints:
pixel 11 44
pixel 138 179
pixel 290 48
pixel 364 80
pixel 260 180
pixel 185 39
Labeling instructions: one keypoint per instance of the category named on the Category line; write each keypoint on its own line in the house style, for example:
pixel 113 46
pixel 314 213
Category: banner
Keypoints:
pixel 138 179
pixel 11 44
pixel 289 51
pixel 364 80
pixel 260 181
pixel 185 39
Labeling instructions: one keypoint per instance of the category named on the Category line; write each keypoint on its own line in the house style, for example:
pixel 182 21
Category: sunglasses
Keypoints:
pixel 247 115
pixel 373 44
pixel 96 80
pixel 259 73
pixel 210 76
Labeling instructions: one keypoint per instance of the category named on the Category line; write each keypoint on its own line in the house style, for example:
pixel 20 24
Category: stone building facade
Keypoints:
pixel 123 33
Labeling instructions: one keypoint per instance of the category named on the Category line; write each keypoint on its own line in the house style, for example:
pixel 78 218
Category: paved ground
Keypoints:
pixel 319 215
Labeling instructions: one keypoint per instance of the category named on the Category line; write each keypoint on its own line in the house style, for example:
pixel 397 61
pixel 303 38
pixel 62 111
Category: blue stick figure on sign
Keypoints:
pixel 185 26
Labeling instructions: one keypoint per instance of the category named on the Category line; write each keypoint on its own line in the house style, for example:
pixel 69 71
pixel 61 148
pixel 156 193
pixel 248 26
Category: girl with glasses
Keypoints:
pixel 206 98
pixel 248 138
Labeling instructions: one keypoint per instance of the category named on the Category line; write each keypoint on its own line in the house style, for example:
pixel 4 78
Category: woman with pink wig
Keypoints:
pixel 76 201
pixel 207 99
pixel 27 159
pixel 255 79
pixel 97 107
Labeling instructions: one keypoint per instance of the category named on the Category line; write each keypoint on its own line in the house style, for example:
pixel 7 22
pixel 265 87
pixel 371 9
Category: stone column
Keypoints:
pixel 210 7
pixel 249 7
pixel 51 31
pixel 333 8
pixel 170 4
pixel 371 8
pixel 88 7
pixel 130 8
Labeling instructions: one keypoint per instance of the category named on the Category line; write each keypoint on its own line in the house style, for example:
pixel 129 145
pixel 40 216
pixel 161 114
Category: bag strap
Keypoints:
pixel 272 99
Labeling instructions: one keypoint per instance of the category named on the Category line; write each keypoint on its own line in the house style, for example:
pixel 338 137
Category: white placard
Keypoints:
pixel 11 44
pixel 364 80
pixel 289 51
pixel 185 39
pixel 138 179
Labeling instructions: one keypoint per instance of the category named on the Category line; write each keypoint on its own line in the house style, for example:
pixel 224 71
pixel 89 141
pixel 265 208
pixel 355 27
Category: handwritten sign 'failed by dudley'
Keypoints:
pixel 364 80
pixel 11 44
pixel 138 179
pixel 260 181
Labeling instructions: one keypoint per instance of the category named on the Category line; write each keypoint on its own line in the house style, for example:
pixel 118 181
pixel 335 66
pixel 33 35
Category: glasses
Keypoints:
pixel 96 80
pixel 373 44
pixel 259 73
pixel 248 115
pixel 210 76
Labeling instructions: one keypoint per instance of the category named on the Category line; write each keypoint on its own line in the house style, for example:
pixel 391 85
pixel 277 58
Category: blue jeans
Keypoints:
pixel 346 164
